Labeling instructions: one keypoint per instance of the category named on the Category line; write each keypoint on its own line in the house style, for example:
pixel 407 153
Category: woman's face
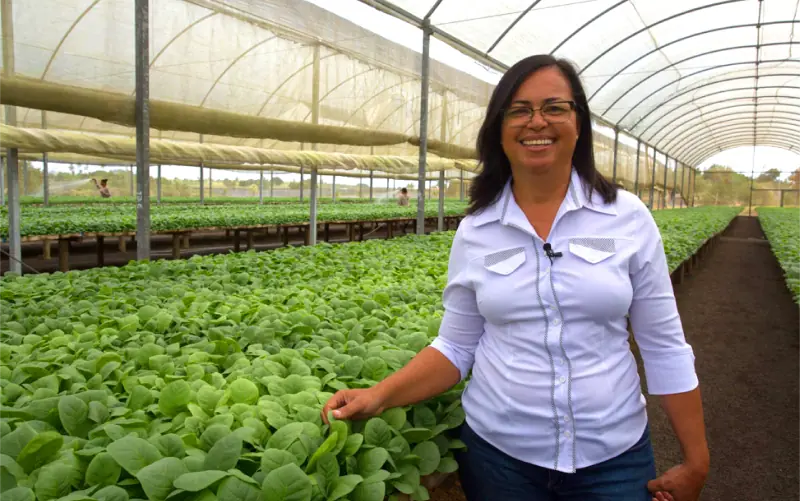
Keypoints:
pixel 541 143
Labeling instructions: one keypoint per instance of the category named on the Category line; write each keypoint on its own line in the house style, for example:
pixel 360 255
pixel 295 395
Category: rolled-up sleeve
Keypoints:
pixel 668 358
pixel 462 324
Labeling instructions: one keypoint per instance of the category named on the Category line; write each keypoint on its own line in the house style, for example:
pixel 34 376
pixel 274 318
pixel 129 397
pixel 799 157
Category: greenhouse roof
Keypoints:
pixel 689 77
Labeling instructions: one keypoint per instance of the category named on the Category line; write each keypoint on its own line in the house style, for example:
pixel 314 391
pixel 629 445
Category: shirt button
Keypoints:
pixel 560 361
pixel 556 321
pixel 562 379
pixel 567 434
pixel 566 419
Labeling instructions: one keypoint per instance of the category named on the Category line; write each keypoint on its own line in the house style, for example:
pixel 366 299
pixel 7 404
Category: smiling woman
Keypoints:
pixel 543 275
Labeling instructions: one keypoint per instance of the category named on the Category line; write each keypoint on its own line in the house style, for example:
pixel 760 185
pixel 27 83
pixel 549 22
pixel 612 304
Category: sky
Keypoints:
pixel 739 159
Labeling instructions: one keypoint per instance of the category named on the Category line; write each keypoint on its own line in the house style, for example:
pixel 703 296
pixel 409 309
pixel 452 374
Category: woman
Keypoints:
pixel 542 273
pixel 402 197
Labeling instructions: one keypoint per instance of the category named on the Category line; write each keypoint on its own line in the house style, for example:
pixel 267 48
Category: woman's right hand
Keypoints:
pixel 355 404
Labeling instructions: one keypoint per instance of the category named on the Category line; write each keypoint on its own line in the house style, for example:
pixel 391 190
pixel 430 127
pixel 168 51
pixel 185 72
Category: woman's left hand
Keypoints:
pixel 680 483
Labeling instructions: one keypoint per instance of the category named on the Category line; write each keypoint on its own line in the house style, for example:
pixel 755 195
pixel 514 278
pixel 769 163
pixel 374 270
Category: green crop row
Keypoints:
pixel 83 200
pixel 782 228
pixel 684 231
pixel 204 378
pixel 36 221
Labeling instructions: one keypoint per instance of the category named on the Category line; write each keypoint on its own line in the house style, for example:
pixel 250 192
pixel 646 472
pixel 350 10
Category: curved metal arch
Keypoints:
pixel 433 9
pixel 179 34
pixel 707 84
pixel 619 123
pixel 736 130
pixel 646 28
pixel 704 155
pixel 691 119
pixel 744 119
pixel 673 42
pixel 511 26
pixel 398 84
pixel 726 91
pixel 587 23
pixel 742 141
pixel 702 54
pixel 232 64
pixel 66 35
pixel 353 77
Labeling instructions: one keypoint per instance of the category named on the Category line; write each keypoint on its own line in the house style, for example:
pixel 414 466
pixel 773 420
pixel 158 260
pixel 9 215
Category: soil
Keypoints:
pixel 743 325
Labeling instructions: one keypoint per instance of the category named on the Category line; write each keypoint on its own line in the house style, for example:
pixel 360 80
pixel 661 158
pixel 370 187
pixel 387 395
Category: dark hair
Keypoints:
pixel 496 169
pixel 403 190
pixel 104 180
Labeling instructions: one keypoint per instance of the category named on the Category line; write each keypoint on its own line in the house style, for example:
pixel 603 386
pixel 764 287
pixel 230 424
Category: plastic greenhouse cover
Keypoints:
pixel 690 77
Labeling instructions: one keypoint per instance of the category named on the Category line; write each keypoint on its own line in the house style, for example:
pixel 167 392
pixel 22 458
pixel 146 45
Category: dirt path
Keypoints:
pixel 743 325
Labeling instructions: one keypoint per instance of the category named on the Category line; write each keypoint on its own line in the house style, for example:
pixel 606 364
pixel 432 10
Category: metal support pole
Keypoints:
pixel 636 176
pixel 14 239
pixel 752 179
pixel 261 187
pixel 653 180
pixel 664 192
pixel 271 184
pixel 674 182
pixel 333 189
pixel 388 190
pixel 210 183
pixel 370 185
pixel 158 183
pixel 202 186
pixel 2 182
pixel 130 180
pixel 12 158
pixel 683 175
pixel 24 190
pixel 423 124
pixel 443 138
pixel 616 152
pixel 142 130
pixel 312 228
pixel 693 173
pixel 45 168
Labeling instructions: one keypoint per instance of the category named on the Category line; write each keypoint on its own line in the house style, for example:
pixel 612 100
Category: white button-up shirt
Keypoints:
pixel 554 382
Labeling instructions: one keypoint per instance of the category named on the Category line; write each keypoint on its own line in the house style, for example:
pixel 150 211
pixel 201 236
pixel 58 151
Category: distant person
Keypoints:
pixel 402 197
pixel 102 187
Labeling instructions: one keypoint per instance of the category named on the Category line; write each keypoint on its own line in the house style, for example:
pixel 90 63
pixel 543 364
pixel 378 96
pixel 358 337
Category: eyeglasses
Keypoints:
pixel 554 112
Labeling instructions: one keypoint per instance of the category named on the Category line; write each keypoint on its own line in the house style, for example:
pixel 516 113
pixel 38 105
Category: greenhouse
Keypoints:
pixel 217 214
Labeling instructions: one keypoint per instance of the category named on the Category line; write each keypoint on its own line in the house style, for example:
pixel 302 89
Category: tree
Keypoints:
pixel 795 178
pixel 770 175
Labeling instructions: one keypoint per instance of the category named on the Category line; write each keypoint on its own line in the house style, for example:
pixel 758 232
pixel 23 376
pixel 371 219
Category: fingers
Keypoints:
pixel 663 496
pixel 339 399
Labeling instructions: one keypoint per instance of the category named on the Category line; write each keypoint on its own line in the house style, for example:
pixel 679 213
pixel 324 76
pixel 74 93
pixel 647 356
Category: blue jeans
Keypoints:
pixel 487 474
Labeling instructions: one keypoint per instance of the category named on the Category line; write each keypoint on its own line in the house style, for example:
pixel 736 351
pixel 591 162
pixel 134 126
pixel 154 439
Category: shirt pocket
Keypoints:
pixel 593 250
pixel 506 261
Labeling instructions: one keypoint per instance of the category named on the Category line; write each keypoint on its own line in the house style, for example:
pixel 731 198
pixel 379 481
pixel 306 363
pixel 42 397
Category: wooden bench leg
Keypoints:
pixel 46 249
pixel 250 241
pixel 361 232
pixel 63 254
pixel 285 236
pixel 236 241
pixel 185 240
pixel 306 234
pixel 176 245
pixel 389 229
pixel 327 235
pixel 101 251
pixel 122 243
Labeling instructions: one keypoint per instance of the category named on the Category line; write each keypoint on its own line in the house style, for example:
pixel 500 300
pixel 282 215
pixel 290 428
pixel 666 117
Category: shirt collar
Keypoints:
pixel 505 209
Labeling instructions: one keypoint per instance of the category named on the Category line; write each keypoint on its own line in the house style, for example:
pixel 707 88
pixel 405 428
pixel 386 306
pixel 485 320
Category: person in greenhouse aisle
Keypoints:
pixel 102 187
pixel 543 271
pixel 402 197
